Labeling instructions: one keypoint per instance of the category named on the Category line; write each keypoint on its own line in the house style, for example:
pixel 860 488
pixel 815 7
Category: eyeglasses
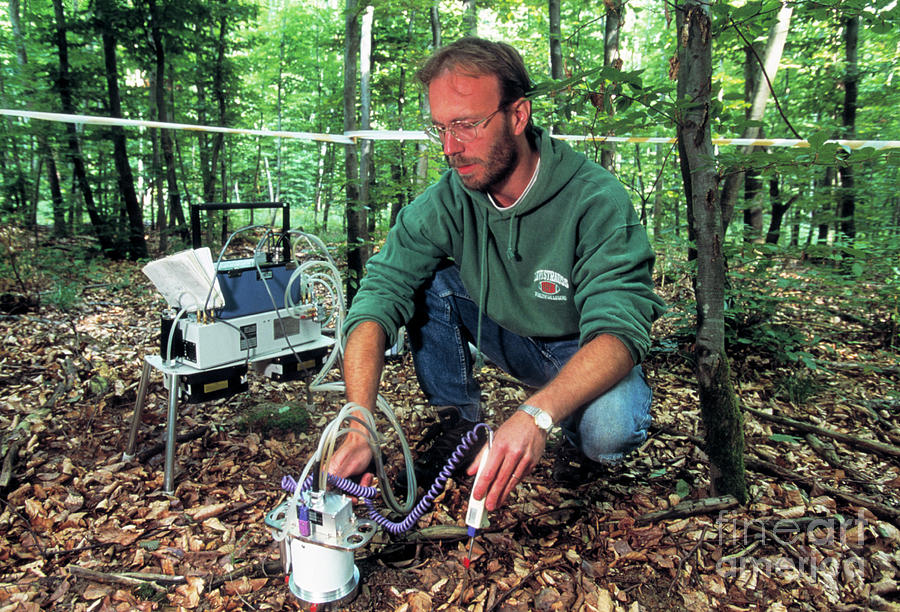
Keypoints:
pixel 463 131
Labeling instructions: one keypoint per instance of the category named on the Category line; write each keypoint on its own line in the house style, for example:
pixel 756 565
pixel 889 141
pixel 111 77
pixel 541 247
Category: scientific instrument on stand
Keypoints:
pixel 266 309
pixel 317 530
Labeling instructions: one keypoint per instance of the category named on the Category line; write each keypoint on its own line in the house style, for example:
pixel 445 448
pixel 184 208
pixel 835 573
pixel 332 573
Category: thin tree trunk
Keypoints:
pixel 753 212
pixel 848 120
pixel 76 158
pixel 355 224
pixel 137 246
pixel 758 100
pixel 470 17
pixel 611 59
pixel 657 196
pixel 368 210
pixel 45 152
pixel 718 402
pixel 779 209
pixel 156 169
pixel 176 214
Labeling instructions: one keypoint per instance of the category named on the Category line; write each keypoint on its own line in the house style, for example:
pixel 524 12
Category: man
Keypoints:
pixel 529 251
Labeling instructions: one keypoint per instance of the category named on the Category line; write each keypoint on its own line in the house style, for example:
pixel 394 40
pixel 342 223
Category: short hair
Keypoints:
pixel 477 57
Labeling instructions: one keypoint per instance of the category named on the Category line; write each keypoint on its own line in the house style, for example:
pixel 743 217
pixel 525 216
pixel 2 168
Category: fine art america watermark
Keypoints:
pixel 805 535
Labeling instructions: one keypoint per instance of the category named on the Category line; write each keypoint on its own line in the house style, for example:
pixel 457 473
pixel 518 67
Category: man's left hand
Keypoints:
pixel 517 447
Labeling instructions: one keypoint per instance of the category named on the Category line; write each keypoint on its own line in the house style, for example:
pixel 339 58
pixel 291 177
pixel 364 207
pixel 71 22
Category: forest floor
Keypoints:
pixel 82 529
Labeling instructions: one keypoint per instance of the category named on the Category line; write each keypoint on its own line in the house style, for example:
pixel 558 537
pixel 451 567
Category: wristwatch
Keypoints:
pixel 541 418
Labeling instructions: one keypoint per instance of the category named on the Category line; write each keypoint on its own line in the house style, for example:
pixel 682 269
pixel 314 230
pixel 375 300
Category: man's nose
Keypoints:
pixel 451 144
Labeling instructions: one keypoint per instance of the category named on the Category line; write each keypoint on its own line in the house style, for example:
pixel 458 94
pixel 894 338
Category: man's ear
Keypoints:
pixel 521 113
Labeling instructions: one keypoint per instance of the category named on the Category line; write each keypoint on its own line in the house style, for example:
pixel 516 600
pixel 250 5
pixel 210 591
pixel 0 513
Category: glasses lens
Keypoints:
pixel 433 134
pixel 464 132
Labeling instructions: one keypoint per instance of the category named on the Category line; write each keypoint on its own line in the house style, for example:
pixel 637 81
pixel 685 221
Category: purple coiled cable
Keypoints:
pixel 367 493
pixel 344 484
pixel 439 483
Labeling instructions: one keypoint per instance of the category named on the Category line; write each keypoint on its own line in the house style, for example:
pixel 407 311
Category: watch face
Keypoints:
pixel 543 420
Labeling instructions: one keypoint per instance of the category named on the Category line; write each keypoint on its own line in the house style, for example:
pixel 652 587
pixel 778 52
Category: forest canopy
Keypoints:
pixel 281 67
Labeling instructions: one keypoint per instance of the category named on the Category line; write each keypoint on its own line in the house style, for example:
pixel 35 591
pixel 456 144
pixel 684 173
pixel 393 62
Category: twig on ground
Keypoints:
pixel 685 558
pixel 868 444
pixel 552 562
pixel 263 569
pixel 877 508
pixel 690 508
pixel 761 465
pixel 827 452
pixel 159 447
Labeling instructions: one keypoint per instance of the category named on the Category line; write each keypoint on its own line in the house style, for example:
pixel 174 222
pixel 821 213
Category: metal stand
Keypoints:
pixel 172 374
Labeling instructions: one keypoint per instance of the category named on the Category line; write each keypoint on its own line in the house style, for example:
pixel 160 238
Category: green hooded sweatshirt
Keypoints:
pixel 570 258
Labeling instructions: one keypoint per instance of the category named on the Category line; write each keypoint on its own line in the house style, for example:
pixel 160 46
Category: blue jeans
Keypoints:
pixel 445 322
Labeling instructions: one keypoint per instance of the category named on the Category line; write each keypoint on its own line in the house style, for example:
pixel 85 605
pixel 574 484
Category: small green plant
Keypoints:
pixel 797 388
pixel 268 418
pixel 63 294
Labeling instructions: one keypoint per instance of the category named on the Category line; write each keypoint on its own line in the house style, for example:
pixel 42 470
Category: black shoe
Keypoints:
pixel 440 442
pixel 572 469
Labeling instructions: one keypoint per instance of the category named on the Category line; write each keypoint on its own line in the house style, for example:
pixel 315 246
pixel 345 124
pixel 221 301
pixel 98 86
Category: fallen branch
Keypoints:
pixel 868 444
pixel 690 508
pixel 681 561
pixel 130 579
pixel 761 465
pixel 159 447
pixel 9 464
pixel 827 452
pixel 553 562
pixel 262 569
pixel 861 367
pixel 877 508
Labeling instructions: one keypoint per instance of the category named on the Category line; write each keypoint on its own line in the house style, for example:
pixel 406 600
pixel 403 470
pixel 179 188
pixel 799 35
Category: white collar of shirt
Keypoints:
pixel 528 187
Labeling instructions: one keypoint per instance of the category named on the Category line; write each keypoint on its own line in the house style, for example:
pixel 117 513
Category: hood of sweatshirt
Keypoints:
pixel 558 164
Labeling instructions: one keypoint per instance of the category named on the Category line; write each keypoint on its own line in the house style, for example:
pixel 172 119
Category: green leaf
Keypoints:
pixel 777 437
pixel 818 139
pixel 150 545
pixel 682 488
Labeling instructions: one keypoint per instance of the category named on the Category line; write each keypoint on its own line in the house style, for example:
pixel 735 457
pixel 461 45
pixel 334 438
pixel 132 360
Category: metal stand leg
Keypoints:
pixel 169 474
pixel 138 412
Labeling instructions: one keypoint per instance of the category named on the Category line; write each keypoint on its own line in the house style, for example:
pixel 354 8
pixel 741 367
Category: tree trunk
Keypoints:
pixel 779 209
pixel 29 210
pixel 368 210
pixel 434 18
pixel 848 120
pixel 611 59
pixel 827 184
pixel 718 402
pixel 556 61
pixel 156 169
pixel 753 212
pixel 758 100
pixel 167 138
pixel 470 17
pixel 137 246
pixel 64 86
pixel 355 225
pixel 657 196
pixel 56 197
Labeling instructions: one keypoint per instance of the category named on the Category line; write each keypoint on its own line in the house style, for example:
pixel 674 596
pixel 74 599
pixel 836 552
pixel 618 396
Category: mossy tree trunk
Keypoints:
pixel 718 402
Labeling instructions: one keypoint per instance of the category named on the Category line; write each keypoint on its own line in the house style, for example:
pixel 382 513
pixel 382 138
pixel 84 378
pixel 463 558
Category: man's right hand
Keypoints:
pixel 351 458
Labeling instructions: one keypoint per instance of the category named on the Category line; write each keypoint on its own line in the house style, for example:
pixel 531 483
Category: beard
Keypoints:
pixel 502 159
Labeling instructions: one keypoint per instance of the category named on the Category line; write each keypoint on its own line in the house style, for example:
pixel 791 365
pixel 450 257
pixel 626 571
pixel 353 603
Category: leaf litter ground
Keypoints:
pixel 81 529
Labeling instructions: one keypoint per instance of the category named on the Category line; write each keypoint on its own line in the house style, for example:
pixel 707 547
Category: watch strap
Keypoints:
pixel 541 418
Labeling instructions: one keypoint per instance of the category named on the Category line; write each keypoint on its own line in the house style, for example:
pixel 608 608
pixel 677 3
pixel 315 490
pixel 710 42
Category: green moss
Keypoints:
pixel 283 417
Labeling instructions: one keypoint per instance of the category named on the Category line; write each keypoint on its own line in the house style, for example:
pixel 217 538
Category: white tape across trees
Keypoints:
pixel 353 136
